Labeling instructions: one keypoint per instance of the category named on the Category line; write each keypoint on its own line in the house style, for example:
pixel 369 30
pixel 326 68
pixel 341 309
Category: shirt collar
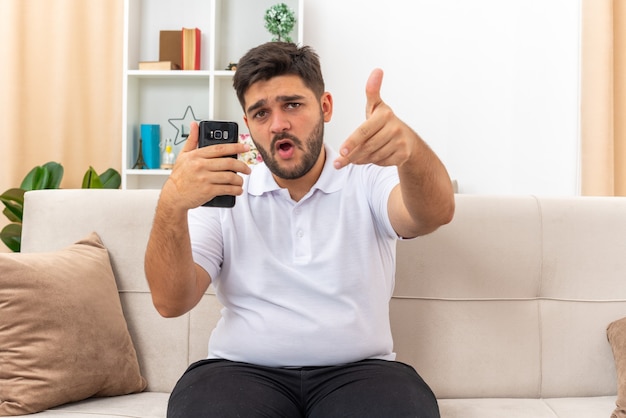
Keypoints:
pixel 331 179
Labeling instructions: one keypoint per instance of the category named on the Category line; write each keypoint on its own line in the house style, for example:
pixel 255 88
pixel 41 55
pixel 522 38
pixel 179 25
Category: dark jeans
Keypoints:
pixel 369 388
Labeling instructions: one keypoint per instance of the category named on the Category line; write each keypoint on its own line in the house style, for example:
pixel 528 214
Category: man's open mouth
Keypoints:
pixel 285 148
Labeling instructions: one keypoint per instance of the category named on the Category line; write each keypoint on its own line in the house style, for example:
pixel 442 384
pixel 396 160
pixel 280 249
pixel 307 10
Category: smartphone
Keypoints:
pixel 213 132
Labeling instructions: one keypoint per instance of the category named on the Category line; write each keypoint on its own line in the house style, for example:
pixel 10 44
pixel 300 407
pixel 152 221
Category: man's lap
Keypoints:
pixel 370 388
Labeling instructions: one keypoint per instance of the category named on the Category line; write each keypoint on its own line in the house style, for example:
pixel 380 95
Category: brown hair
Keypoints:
pixel 274 59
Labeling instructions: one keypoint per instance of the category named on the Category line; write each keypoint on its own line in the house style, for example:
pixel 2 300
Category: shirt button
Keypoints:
pixel 300 234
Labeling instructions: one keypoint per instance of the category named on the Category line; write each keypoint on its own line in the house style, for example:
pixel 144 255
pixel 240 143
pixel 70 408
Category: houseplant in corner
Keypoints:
pixel 47 176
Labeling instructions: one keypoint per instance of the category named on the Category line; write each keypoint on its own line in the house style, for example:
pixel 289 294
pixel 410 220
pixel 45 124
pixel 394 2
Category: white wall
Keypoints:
pixel 491 85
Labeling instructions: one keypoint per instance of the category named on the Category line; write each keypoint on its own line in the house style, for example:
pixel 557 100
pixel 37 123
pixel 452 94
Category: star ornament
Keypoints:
pixel 181 123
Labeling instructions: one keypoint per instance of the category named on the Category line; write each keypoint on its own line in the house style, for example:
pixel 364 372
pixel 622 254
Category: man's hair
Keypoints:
pixel 274 59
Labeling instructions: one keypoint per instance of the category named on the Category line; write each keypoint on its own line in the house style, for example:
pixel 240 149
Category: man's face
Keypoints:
pixel 286 122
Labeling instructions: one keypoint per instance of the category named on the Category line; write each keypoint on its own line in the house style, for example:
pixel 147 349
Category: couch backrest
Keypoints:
pixel 511 299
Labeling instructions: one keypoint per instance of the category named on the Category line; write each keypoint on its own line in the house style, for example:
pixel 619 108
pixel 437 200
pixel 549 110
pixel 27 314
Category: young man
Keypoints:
pixel 304 263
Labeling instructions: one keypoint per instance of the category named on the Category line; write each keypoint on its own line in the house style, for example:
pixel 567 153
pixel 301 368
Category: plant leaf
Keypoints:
pixel 91 180
pixel 111 179
pixel 13 195
pixel 11 216
pixel 34 179
pixel 55 171
pixel 11 235
pixel 13 199
pixel 47 176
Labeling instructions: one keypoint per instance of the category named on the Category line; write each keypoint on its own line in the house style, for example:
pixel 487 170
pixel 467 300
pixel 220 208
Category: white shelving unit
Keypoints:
pixel 229 29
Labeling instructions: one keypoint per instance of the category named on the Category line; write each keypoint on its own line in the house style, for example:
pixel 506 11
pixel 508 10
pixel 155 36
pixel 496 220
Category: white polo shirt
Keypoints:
pixel 303 283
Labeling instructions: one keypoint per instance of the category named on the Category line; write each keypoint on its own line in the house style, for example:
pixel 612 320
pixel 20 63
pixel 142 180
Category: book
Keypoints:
pixel 191 49
pixel 157 65
pixel 170 47
pixel 150 146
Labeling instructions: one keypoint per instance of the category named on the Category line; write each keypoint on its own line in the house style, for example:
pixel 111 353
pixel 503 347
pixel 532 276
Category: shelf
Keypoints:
pixel 148 172
pixel 179 74
pixel 224 73
pixel 169 74
pixel 229 29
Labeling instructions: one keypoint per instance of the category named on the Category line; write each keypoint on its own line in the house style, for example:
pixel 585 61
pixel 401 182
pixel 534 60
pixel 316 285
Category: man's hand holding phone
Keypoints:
pixel 202 173
pixel 217 133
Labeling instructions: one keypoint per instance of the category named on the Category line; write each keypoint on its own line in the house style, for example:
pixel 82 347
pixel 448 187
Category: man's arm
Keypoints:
pixel 176 282
pixel 424 199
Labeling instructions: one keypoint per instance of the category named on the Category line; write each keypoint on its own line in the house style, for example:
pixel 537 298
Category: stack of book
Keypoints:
pixel 178 50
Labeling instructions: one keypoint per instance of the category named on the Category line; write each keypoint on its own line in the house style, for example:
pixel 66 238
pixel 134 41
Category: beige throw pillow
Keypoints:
pixel 63 336
pixel 616 333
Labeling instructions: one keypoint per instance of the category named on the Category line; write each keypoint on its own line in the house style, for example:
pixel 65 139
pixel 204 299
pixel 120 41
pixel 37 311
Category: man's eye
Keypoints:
pixel 260 114
pixel 292 105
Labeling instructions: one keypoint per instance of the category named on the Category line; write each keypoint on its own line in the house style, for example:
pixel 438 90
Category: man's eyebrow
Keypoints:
pixel 282 99
pixel 255 106
pixel 292 98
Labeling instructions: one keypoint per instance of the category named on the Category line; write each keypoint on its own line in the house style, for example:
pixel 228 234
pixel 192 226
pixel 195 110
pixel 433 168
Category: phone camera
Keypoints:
pixel 217 134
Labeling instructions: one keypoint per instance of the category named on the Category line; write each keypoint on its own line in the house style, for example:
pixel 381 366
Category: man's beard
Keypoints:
pixel 311 149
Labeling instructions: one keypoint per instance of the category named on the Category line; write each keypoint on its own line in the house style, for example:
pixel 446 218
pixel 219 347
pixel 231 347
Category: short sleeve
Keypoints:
pixel 205 232
pixel 379 182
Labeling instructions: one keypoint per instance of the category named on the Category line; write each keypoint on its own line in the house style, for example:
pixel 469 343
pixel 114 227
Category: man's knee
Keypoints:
pixel 226 389
pixel 378 388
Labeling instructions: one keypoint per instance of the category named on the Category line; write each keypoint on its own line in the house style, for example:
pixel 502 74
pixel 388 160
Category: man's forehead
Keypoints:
pixel 278 83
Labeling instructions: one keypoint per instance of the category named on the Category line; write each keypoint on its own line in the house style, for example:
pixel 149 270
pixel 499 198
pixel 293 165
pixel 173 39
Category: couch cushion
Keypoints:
pixel 581 407
pixel 138 405
pixel 62 331
pixel 584 407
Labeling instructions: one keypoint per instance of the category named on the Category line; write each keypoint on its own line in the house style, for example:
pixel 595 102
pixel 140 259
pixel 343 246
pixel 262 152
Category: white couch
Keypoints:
pixel 503 311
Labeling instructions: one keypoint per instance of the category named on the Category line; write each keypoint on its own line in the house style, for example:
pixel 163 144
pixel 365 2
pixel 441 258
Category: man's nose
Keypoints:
pixel 279 123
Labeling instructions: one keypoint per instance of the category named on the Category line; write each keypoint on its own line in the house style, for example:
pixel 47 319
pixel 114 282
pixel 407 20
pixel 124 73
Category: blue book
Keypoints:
pixel 150 141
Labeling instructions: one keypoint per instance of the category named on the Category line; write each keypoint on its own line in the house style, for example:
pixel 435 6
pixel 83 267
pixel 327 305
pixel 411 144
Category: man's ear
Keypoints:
pixel 326 102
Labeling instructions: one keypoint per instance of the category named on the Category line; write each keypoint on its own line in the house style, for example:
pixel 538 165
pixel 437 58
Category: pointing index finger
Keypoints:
pixel 373 100
pixel 372 91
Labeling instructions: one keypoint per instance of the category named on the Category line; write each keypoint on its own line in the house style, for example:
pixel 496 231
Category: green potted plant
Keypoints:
pixel 47 176
pixel 279 21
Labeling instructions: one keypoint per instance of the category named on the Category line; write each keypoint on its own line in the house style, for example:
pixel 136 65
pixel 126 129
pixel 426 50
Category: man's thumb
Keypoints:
pixel 192 140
